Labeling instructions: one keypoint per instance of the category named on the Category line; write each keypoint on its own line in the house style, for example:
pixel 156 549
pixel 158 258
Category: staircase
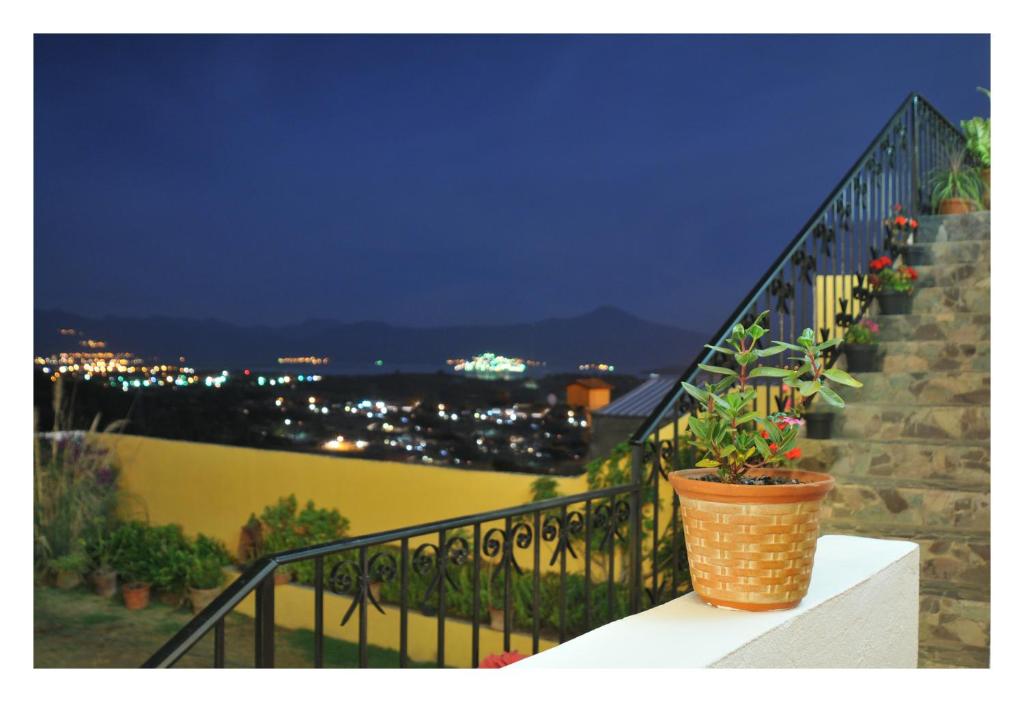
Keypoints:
pixel 911 450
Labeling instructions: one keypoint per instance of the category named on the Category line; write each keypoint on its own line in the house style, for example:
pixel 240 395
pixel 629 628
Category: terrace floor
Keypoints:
pixel 77 629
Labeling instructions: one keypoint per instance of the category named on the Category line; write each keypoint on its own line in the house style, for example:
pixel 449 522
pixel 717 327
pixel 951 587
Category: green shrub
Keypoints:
pixel 284 528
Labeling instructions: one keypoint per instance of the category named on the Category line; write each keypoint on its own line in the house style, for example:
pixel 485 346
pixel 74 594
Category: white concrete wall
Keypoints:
pixel 861 611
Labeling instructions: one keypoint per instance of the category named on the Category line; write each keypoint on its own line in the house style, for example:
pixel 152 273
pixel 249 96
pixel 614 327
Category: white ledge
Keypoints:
pixel 861 611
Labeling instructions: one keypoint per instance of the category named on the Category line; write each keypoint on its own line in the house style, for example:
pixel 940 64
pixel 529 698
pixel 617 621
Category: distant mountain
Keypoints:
pixel 607 334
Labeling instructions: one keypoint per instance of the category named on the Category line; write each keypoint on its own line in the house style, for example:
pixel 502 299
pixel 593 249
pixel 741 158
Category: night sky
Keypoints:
pixel 431 180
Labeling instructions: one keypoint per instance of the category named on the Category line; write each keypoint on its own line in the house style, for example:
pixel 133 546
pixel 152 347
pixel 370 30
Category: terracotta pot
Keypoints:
pixel 751 547
pixel 954 206
pixel 894 302
pixel 282 577
pixel 986 178
pixel 104 582
pixel 200 597
pixel 819 425
pixel 68 579
pixel 497 618
pixel 861 358
pixel 136 595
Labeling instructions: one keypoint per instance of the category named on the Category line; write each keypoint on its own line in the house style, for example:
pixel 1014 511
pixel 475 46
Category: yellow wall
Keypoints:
pixel 213 489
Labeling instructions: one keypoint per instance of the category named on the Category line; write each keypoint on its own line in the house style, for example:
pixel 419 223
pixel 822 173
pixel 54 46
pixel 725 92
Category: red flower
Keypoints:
pixel 793 454
pixel 500 660
pixel 886 261
pixel 913 223
pixel 773 447
pixel 874 281
pixel 764 434
pixel 911 273
pixel 875 265
pixel 900 221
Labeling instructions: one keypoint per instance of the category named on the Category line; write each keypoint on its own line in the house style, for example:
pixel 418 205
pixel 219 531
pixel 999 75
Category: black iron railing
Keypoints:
pixel 818 281
pixel 600 526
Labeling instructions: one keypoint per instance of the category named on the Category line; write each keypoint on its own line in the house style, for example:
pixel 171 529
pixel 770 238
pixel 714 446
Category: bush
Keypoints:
pixel 284 528
pixel 165 558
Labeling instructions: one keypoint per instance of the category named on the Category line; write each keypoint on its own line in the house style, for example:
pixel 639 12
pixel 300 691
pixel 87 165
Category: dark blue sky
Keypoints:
pixel 431 180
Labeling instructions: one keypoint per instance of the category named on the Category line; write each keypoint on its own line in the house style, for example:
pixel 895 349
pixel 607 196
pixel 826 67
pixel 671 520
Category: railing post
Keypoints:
pixel 265 623
pixel 635 537
pixel 915 168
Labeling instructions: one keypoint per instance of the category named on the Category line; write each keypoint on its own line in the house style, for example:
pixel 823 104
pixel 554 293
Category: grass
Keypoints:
pixel 77 629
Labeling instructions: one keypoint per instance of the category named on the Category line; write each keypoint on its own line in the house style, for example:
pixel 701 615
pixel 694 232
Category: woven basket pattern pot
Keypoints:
pixel 751 547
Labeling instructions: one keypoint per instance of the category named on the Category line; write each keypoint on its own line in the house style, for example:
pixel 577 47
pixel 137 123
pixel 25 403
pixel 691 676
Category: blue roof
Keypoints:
pixel 641 400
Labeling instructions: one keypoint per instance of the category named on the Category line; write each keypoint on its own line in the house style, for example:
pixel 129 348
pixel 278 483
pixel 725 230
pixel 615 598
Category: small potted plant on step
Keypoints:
pixel 899 237
pixel 893 285
pixel 740 481
pixel 100 547
pixel 69 568
pixel 134 563
pixel 205 578
pixel 956 186
pixel 860 346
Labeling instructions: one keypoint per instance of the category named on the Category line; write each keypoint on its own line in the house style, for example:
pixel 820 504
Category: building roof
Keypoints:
pixel 641 400
pixel 591 383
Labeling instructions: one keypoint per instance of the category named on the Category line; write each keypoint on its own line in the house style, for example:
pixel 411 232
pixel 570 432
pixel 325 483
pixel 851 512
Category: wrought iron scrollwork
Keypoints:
pixel 806 264
pixel 826 235
pixel 345 578
pixel 782 291
pixel 843 318
pixel 497 543
pixel 562 532
pixel 860 189
pixel 610 517
pixel 842 213
pixel 861 290
pixel 425 562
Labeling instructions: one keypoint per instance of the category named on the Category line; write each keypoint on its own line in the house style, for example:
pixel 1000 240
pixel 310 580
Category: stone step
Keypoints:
pixel 870 421
pixel 966 275
pixel 960 299
pixel 922 388
pixel 957 629
pixel 940 228
pixel 933 463
pixel 940 326
pixel 951 252
pixel 952 564
pixel 947 655
pixel 934 356
pixel 891 508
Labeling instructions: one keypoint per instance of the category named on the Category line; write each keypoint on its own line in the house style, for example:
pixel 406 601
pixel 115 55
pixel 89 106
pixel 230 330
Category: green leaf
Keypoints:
pixel 831 397
pixel 842 377
pixel 808 387
pixel 769 372
pixel 756 331
pixel 787 345
pixel 707 463
pixel 746 358
pixel 770 351
pixel 828 344
pixel 762 447
pixel 719 349
pixel 716 369
pixel 748 417
pixel 697 393
pixel 724 383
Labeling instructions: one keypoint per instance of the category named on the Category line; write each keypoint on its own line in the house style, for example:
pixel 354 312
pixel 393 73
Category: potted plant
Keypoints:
pixel 205 578
pixel 956 187
pixel 69 568
pixel 978 134
pixel 170 553
pixel 860 345
pixel 900 230
pixel 100 547
pixel 206 571
pixel 893 286
pixel 133 563
pixel 741 481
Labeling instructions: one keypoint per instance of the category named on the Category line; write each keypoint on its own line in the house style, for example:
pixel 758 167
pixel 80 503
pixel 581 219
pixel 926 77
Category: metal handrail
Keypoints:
pixel 251 578
pixel 654 420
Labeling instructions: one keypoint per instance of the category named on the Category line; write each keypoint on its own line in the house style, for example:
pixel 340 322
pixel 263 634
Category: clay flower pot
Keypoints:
pixel 894 302
pixel 954 206
pixel 104 582
pixel 282 577
pixel 136 595
pixel 68 579
pixel 200 597
pixel 861 358
pixel 497 618
pixel 751 547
